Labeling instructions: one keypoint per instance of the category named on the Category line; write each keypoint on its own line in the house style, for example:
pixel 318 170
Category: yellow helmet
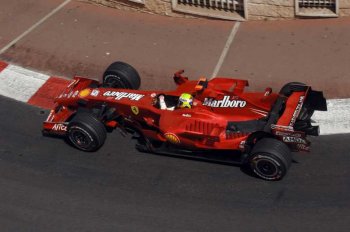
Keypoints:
pixel 185 100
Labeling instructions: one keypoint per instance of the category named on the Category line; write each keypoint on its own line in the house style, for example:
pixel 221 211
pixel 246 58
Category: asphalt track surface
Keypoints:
pixel 46 185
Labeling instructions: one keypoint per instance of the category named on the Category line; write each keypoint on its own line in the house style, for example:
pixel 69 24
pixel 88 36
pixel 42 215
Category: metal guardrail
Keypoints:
pixel 317 3
pixel 317 8
pixel 230 5
pixel 225 9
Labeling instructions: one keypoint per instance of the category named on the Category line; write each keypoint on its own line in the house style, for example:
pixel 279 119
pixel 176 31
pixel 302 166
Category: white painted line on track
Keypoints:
pixel 225 50
pixel 336 120
pixel 20 83
pixel 4 49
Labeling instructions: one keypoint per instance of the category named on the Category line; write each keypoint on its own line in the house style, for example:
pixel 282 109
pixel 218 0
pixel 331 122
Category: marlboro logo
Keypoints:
pixel 224 103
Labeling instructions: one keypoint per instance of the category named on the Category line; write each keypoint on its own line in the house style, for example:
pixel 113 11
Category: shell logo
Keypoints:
pixel 84 93
pixel 172 138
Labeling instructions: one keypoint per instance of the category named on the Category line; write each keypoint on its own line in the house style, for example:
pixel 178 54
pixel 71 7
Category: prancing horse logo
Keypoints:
pixel 135 110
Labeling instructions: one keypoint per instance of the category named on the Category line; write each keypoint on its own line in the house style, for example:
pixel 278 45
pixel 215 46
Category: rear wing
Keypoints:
pixel 315 100
pixel 299 108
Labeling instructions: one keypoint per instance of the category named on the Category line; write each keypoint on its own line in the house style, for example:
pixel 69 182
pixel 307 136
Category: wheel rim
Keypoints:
pixel 114 81
pixel 80 139
pixel 266 167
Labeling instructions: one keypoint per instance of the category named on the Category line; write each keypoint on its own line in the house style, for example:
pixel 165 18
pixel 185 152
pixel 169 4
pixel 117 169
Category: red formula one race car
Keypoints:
pixel 197 117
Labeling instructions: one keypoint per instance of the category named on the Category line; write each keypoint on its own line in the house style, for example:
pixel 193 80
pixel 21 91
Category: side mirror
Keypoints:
pixel 178 78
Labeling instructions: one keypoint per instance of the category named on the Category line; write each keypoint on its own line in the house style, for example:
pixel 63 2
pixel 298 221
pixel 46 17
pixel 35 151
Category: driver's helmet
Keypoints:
pixel 185 101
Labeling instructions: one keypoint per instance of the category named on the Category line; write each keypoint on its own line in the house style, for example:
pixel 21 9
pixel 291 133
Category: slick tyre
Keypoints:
pixel 270 159
pixel 291 87
pixel 86 132
pixel 121 75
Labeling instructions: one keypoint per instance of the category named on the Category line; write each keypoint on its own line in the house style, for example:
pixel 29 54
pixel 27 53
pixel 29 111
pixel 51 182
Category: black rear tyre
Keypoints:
pixel 270 159
pixel 121 75
pixel 86 132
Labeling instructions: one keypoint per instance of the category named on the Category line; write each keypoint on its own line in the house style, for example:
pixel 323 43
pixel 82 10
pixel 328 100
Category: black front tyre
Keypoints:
pixel 121 75
pixel 86 132
pixel 270 159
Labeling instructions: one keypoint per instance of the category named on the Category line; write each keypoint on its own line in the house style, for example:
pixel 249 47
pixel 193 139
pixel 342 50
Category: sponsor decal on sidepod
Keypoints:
pixel 224 103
